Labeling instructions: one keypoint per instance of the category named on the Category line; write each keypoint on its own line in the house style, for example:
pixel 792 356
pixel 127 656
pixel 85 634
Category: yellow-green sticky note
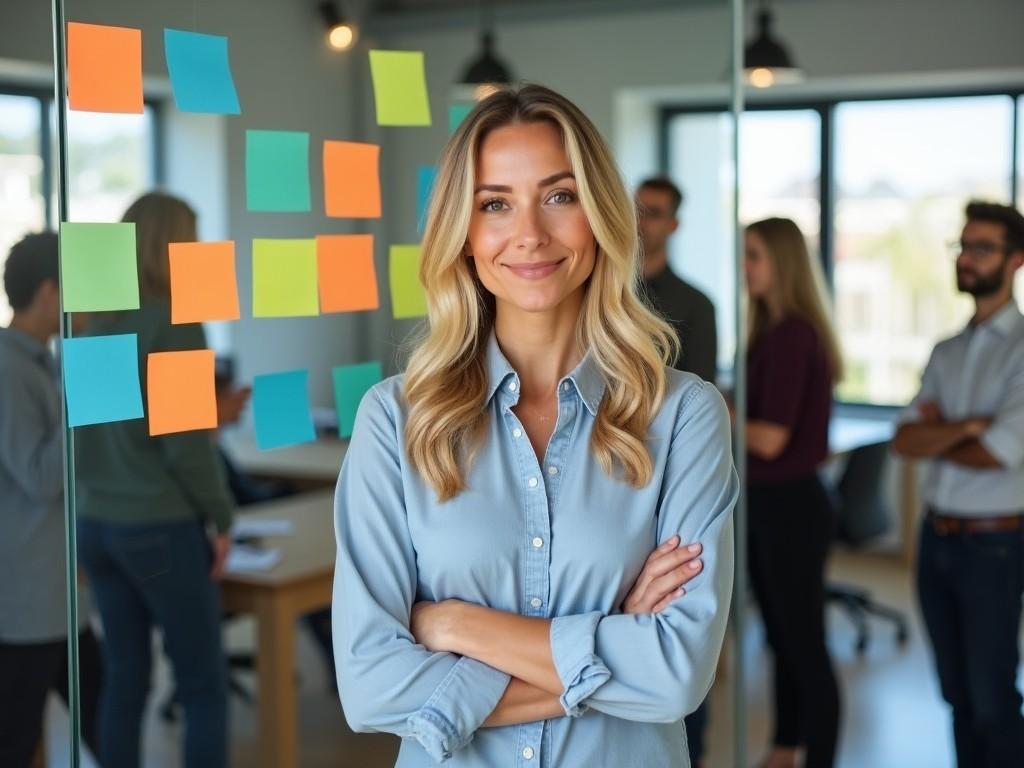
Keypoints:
pixel 400 87
pixel 98 267
pixel 284 278
pixel 407 297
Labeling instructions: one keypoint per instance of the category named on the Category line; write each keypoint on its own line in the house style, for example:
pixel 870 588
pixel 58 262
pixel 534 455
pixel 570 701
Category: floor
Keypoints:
pixel 893 716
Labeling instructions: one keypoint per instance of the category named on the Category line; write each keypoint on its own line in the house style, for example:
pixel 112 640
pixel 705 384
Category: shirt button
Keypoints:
pixel 532 482
pixel 517 433
pixel 538 542
pixel 565 386
pixel 552 470
pixel 512 386
pixel 528 753
pixel 536 602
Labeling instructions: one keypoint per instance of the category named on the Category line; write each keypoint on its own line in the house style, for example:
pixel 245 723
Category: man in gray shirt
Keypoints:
pixel 967 422
pixel 33 617
pixel 690 311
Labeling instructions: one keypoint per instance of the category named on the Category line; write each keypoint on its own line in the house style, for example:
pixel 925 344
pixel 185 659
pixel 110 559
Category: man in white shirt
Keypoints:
pixel 968 423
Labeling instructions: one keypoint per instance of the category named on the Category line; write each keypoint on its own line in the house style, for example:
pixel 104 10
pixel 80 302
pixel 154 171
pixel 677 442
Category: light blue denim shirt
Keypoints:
pixel 560 540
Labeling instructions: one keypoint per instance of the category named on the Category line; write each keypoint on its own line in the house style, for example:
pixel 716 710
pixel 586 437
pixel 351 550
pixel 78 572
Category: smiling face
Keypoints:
pixel 528 236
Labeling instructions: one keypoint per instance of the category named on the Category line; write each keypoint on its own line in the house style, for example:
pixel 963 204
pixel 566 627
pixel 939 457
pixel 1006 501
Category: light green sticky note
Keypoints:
pixel 284 278
pixel 400 87
pixel 456 114
pixel 98 269
pixel 407 297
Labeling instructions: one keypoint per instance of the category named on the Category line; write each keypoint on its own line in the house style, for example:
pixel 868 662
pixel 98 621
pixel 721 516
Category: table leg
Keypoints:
pixel 275 666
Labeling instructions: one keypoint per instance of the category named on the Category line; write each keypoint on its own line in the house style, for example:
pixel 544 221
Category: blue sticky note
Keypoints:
pixel 426 175
pixel 280 405
pixel 456 114
pixel 351 382
pixel 101 379
pixel 200 72
pixel 277 171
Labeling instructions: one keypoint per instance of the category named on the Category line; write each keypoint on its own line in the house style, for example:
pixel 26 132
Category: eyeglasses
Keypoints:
pixel 976 249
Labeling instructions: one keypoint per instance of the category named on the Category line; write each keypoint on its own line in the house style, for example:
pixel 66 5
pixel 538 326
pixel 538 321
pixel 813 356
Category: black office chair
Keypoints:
pixel 863 516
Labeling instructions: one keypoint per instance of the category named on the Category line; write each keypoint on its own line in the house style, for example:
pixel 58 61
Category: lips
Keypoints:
pixel 534 270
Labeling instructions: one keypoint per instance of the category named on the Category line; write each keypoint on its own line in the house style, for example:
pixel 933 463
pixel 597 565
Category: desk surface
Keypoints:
pixel 307 552
pixel 317 461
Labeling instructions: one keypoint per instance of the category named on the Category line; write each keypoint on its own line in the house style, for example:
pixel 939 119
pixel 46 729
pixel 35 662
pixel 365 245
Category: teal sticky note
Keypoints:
pixel 101 379
pixel 277 171
pixel 200 72
pixel 280 406
pixel 98 269
pixel 456 114
pixel 351 382
pixel 426 175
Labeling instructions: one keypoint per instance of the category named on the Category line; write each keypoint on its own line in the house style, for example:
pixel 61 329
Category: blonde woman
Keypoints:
pixel 154 514
pixel 793 364
pixel 497 601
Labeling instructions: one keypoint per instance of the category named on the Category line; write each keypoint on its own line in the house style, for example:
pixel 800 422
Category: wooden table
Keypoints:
pixel 300 583
pixel 309 465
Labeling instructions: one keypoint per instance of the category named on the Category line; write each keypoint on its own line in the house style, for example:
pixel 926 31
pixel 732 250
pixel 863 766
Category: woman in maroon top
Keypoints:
pixel 793 364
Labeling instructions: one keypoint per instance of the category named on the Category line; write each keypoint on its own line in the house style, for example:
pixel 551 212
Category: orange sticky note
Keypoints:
pixel 352 179
pixel 180 390
pixel 203 285
pixel 347 277
pixel 104 68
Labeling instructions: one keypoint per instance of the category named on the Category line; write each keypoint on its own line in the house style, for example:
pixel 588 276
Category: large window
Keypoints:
pixel 879 188
pixel 111 159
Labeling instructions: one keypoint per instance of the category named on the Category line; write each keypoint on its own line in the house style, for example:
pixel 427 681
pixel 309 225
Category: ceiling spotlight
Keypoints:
pixel 341 33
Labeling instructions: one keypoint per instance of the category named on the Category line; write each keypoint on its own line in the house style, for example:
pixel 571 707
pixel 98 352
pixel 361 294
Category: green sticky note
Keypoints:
pixel 351 382
pixel 407 297
pixel 456 114
pixel 277 171
pixel 400 87
pixel 284 278
pixel 98 268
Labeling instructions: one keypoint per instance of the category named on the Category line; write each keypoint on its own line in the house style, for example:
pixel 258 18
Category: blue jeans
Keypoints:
pixel 150 576
pixel 970 589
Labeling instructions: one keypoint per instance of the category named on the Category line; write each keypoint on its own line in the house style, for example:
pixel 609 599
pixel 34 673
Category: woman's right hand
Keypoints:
pixel 663 578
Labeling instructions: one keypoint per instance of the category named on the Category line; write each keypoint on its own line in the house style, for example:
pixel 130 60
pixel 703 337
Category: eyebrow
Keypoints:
pixel 545 182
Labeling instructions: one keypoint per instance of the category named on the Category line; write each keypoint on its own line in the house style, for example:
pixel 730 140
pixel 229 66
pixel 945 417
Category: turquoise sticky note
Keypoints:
pixel 101 379
pixel 98 268
pixel 200 72
pixel 351 382
pixel 277 171
pixel 426 175
pixel 456 114
pixel 280 406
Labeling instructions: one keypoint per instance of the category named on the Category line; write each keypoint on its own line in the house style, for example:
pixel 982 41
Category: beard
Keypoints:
pixel 980 284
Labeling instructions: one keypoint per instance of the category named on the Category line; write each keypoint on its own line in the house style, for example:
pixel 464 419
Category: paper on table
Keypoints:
pixel 400 87
pixel 245 559
pixel 98 267
pixel 407 297
pixel 203 284
pixel 284 280
pixel 104 68
pixel 244 527
pixel 200 72
pixel 277 171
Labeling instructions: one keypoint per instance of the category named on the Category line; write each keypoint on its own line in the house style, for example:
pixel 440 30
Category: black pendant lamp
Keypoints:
pixel 486 72
pixel 766 60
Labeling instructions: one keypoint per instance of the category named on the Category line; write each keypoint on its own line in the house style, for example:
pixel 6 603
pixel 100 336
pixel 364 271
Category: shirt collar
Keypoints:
pixel 1005 321
pixel 586 377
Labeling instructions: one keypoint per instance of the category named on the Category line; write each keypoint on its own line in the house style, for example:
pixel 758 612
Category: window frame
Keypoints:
pixel 826 108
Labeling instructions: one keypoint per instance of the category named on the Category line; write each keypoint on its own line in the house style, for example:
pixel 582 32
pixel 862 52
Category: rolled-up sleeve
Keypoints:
pixel 1004 438
pixel 387 681
pixel 658 668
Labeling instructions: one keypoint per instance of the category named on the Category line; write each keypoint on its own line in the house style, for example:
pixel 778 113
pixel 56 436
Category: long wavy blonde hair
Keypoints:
pixel 799 287
pixel 446 380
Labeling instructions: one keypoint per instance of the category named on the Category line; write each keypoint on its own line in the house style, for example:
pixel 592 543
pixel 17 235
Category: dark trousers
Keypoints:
pixel 696 724
pixel 157 576
pixel 791 526
pixel 27 673
pixel 970 589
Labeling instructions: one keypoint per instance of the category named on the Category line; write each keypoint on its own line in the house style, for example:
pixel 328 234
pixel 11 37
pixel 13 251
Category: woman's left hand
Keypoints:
pixel 433 623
